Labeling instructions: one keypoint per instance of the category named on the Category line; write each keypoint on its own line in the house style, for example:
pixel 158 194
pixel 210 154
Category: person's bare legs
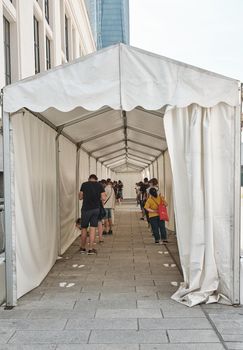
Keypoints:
pixel 91 237
pixel 83 237
pixel 100 231
pixel 110 224
pixel 106 224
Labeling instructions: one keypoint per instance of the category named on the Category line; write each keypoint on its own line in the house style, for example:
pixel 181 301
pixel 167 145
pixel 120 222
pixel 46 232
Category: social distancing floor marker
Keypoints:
pixel 79 266
pixel 174 283
pixel 66 285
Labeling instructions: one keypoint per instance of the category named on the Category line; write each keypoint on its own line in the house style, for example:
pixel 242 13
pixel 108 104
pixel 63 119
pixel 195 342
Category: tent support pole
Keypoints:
pixel 164 173
pixel 237 203
pixel 77 181
pixel 58 221
pixel 11 297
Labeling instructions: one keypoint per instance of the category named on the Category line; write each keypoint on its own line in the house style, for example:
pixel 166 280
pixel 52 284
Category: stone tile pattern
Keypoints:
pixel 119 299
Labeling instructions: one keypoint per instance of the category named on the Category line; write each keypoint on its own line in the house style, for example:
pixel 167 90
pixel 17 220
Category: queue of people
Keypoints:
pixel 96 214
pixel 151 203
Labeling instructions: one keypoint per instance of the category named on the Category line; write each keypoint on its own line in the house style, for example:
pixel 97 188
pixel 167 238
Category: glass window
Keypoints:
pixel 36 46
pixel 47 10
pixel 7 57
pixel 48 53
pixel 66 38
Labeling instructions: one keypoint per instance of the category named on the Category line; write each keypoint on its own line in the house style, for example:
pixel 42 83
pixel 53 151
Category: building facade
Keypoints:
pixel 109 21
pixel 36 35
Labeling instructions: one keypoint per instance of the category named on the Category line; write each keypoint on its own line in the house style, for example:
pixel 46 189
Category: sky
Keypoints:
pixel 204 33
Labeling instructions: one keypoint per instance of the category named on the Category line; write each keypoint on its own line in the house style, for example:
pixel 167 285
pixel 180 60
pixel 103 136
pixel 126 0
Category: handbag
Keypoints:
pixel 163 214
pixel 162 210
pixel 102 213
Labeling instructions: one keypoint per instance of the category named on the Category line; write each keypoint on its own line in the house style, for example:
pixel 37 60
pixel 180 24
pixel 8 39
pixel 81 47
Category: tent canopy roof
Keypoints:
pixel 112 102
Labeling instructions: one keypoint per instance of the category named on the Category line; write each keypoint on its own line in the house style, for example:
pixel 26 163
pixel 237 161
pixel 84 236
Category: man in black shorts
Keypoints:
pixel 92 193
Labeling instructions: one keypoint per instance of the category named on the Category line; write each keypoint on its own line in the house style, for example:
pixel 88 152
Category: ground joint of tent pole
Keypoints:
pixel 7 307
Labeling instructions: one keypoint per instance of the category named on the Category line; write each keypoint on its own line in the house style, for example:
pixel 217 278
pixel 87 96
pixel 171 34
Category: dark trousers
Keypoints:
pixel 158 228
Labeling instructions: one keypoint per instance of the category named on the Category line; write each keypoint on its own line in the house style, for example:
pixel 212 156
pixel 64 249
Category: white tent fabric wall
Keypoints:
pixel 155 169
pixel 92 162
pixel 203 169
pixel 68 193
pixel 161 174
pixel 34 219
pixel 169 192
pixel 99 172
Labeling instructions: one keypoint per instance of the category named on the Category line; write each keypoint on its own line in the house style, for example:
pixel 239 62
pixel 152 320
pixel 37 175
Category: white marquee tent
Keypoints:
pixel 123 109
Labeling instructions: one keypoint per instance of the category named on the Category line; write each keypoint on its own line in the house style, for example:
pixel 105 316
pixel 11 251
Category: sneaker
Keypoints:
pixel 141 218
pixel 165 241
pixel 104 233
pixel 110 232
pixel 101 241
pixel 92 251
pixel 156 242
pixel 82 251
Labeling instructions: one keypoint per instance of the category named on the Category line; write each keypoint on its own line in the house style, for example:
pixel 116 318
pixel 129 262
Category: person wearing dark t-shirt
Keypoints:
pixel 92 193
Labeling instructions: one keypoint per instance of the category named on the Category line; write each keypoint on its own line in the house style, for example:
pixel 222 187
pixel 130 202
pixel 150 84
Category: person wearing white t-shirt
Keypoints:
pixel 109 205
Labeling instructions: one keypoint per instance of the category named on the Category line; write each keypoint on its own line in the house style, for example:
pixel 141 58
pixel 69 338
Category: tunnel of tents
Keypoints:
pixel 124 110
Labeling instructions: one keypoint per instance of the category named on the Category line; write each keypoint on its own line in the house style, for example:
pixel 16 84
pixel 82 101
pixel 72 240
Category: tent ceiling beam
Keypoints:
pixel 107 160
pixel 157 114
pixel 109 145
pixel 85 117
pixel 139 156
pixel 108 154
pixel 146 133
pixel 108 132
pixel 138 161
pixel 143 160
pixel 144 145
pixel 116 161
pixel 135 165
pixel 142 152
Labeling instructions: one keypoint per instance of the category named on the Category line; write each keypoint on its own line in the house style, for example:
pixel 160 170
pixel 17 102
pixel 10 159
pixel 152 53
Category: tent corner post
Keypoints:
pixel 77 180
pixel 10 257
pixel 237 202
pixel 58 221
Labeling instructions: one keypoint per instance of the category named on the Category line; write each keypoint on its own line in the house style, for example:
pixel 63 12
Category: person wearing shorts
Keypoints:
pixel 91 192
pixel 109 205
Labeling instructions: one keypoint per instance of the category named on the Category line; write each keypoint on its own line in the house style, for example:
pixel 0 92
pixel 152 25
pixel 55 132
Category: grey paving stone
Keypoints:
pixel 5 335
pixel 28 347
pixel 37 324
pixel 130 337
pixel 67 337
pixel 52 304
pixel 175 323
pixel 106 304
pixel 197 346
pixel 99 347
pixel 234 345
pixel 233 337
pixel 14 313
pixel 102 324
pixel 128 313
pixel 193 336
pixel 61 314
pixel 129 296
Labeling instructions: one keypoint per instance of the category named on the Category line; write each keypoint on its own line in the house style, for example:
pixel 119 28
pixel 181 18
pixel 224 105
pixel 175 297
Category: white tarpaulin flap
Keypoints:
pixel 170 225
pixel 35 200
pixel 68 192
pixel 113 77
pixel 202 167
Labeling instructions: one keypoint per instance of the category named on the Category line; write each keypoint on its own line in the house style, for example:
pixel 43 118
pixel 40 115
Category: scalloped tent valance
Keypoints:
pixel 121 77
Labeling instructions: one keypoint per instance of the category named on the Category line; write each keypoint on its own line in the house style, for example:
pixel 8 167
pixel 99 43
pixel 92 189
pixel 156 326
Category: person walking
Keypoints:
pixel 157 225
pixel 92 193
pixel 109 205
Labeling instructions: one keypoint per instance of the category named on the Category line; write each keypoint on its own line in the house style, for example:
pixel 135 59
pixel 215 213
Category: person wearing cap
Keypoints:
pixel 157 225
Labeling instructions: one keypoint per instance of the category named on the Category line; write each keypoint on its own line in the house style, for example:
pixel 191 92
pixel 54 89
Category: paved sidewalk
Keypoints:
pixel 119 299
